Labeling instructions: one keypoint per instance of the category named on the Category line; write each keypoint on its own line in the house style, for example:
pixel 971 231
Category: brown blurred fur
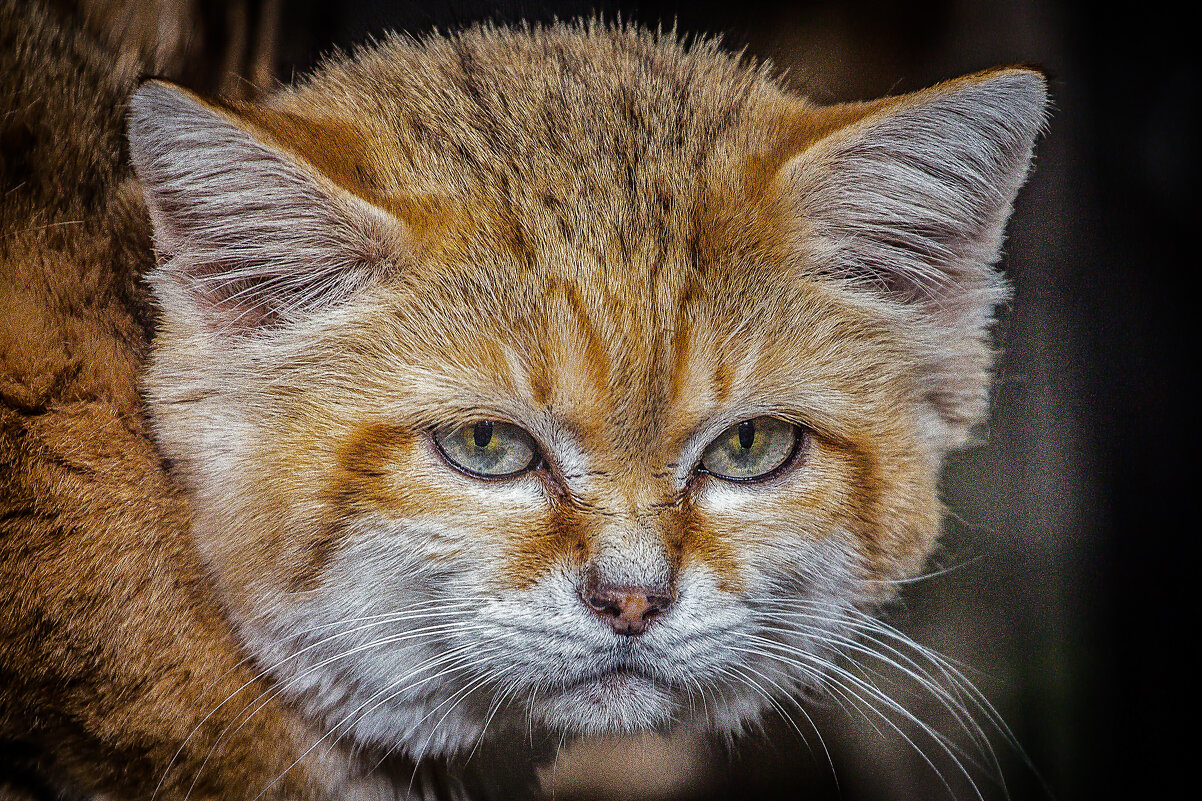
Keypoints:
pixel 112 647
pixel 222 47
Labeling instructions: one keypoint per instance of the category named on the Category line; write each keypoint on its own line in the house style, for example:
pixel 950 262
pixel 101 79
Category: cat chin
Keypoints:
pixel 617 702
pixel 624 703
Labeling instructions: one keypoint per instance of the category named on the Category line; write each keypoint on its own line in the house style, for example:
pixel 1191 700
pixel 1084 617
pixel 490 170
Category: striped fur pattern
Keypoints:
pixel 622 245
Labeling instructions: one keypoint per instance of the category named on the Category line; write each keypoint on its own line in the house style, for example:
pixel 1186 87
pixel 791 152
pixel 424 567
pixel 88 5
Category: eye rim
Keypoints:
pixel 801 440
pixel 536 454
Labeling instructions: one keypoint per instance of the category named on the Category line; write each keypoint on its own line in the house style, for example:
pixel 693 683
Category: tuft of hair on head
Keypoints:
pixel 909 200
pixel 248 234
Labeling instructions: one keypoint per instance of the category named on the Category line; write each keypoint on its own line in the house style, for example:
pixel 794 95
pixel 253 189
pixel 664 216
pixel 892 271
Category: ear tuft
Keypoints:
pixel 256 233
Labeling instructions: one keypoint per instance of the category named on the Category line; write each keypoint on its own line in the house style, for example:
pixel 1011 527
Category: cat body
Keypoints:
pixel 561 379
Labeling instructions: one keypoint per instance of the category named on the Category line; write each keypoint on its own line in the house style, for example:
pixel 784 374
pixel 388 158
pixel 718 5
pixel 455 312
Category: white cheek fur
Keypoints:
pixel 398 649
pixel 725 497
pixel 380 648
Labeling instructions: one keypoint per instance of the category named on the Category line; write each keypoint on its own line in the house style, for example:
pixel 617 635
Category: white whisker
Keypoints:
pixel 381 619
pixel 276 689
pixel 848 680
pixel 448 656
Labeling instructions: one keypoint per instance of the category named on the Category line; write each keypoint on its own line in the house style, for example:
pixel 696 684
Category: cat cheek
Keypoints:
pixel 538 545
pixel 764 526
pixel 703 541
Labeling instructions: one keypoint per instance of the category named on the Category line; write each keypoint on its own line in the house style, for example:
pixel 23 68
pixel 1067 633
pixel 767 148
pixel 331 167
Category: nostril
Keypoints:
pixel 657 605
pixel 603 604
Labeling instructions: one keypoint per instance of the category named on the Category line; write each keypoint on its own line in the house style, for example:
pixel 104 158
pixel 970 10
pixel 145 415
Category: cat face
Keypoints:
pixel 567 379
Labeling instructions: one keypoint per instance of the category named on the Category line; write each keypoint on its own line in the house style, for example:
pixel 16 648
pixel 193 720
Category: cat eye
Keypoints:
pixel 751 450
pixel 488 449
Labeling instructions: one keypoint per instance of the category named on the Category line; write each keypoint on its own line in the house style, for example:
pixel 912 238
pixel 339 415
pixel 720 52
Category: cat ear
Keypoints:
pixel 910 201
pixel 253 234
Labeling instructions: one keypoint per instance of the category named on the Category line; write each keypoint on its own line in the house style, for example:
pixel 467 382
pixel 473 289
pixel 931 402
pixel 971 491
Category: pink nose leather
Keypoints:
pixel 627 609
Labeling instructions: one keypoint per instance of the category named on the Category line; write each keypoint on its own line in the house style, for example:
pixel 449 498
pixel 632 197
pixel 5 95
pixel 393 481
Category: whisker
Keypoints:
pixel 921 677
pixel 951 693
pixel 276 689
pixel 861 682
pixel 789 719
pixel 499 699
pixel 951 697
pixel 462 695
pixel 443 657
pixel 873 692
pixel 384 619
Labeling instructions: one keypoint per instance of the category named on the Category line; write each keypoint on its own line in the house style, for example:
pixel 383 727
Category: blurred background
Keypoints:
pixel 1064 586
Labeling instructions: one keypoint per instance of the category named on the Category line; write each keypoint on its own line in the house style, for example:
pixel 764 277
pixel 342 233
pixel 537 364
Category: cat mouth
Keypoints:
pixel 616 677
pixel 614 684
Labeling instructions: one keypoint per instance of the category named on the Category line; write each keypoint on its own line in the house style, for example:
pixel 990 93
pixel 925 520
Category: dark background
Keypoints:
pixel 1071 555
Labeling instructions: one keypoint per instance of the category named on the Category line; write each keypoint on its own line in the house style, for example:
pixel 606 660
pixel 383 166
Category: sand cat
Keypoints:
pixel 567 380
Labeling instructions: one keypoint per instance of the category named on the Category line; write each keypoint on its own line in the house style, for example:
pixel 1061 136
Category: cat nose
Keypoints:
pixel 628 610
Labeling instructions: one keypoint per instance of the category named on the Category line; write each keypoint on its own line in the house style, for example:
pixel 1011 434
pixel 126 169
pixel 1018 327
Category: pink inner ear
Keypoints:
pixel 224 315
pixel 242 304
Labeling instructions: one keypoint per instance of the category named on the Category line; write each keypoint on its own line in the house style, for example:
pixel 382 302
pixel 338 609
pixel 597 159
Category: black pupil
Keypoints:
pixel 482 434
pixel 746 434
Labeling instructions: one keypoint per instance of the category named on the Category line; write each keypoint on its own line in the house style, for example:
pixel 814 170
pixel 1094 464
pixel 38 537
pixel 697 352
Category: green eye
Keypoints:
pixel 486 449
pixel 751 449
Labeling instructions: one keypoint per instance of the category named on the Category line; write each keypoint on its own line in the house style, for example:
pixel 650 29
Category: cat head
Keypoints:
pixel 571 376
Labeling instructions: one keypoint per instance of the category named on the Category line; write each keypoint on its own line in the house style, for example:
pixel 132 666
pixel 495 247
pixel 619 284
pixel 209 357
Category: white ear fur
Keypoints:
pixel 256 234
pixel 911 201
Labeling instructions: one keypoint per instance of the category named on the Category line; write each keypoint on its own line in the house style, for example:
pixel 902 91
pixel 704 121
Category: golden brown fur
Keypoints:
pixel 589 230
pixel 113 648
